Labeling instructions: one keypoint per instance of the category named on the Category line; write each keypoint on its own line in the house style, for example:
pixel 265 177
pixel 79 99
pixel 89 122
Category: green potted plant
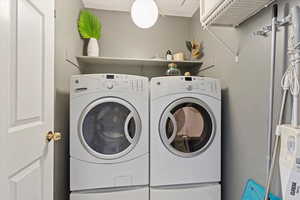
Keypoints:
pixel 90 28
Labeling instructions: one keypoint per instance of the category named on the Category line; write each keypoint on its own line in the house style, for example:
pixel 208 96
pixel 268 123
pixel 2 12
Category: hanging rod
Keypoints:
pixel 268 28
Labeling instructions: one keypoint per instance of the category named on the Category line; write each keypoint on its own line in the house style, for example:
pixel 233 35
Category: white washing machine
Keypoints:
pixel 109 136
pixel 185 137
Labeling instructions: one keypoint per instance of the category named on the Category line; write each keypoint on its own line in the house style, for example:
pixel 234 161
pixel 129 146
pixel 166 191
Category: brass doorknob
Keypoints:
pixel 56 136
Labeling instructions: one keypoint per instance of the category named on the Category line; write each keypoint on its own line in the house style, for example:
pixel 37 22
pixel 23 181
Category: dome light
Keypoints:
pixel 144 13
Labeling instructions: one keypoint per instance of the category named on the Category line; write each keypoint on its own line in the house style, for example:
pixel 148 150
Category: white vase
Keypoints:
pixel 93 48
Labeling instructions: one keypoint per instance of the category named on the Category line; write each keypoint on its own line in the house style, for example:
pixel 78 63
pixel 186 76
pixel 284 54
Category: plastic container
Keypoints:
pixel 173 70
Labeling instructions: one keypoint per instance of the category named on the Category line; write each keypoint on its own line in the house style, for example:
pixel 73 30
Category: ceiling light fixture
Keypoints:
pixel 144 13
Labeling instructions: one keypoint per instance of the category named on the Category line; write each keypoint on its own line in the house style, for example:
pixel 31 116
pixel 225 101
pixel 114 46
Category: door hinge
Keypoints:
pixel 54 13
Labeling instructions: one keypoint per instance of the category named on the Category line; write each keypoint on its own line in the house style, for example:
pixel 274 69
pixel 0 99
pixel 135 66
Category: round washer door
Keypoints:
pixel 109 128
pixel 187 127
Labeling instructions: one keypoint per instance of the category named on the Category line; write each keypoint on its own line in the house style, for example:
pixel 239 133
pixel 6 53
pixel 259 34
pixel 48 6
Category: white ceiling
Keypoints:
pixel 183 8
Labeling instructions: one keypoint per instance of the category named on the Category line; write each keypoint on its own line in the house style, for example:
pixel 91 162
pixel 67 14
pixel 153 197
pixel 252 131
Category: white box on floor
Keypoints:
pixel 289 160
pixel 191 192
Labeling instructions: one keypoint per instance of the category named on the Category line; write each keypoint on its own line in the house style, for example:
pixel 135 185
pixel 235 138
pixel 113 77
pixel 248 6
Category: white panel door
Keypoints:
pixel 26 99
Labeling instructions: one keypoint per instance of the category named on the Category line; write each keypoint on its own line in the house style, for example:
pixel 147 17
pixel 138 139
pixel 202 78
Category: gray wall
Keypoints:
pixel 67 45
pixel 122 38
pixel 245 96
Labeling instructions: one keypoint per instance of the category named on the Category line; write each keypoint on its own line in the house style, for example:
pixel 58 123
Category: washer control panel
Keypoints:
pixel 201 84
pixel 194 84
pixel 108 82
pixel 198 83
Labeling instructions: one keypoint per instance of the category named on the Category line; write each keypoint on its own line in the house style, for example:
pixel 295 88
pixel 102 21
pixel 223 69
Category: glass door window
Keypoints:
pixel 187 127
pixel 110 128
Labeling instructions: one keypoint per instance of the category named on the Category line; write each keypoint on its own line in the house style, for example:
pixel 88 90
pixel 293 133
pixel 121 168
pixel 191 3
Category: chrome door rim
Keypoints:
pixel 165 116
pixel 133 113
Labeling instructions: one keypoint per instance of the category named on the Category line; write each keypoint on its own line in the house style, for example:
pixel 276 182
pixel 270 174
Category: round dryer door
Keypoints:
pixel 109 128
pixel 187 127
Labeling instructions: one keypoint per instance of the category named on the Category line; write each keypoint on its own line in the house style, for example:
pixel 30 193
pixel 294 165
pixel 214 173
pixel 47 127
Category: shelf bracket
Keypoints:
pixel 286 21
pixel 72 63
pixel 234 53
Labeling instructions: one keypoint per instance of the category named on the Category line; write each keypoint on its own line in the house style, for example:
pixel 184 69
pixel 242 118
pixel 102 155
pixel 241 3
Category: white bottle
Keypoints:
pixel 169 55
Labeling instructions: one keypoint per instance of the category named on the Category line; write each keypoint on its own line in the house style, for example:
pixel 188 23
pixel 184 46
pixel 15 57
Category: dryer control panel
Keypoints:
pixel 107 82
pixel 181 84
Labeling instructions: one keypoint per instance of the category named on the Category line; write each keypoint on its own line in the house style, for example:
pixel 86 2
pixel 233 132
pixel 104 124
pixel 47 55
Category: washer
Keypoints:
pixel 109 133
pixel 185 136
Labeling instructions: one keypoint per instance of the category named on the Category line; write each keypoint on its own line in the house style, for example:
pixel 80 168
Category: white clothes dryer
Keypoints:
pixel 185 136
pixel 109 132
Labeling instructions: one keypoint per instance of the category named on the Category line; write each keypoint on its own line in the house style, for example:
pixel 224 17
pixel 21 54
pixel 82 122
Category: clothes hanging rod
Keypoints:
pixel 268 28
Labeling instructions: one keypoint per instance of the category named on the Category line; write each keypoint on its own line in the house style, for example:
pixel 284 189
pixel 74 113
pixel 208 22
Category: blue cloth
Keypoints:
pixel 254 191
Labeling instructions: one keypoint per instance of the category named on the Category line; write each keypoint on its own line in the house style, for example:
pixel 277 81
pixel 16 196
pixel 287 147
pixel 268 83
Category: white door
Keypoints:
pixel 109 128
pixel 187 127
pixel 26 99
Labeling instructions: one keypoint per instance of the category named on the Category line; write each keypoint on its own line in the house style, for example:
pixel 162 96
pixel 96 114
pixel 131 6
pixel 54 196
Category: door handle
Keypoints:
pixel 128 137
pixel 55 136
pixel 173 136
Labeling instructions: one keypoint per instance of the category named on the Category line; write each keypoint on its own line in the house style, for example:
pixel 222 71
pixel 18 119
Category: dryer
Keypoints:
pixel 185 136
pixel 109 134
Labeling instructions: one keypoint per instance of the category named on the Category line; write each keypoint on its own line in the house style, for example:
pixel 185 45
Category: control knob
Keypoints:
pixel 189 87
pixel 109 85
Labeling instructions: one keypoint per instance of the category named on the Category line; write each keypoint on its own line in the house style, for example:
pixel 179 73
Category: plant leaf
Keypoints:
pixel 89 25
